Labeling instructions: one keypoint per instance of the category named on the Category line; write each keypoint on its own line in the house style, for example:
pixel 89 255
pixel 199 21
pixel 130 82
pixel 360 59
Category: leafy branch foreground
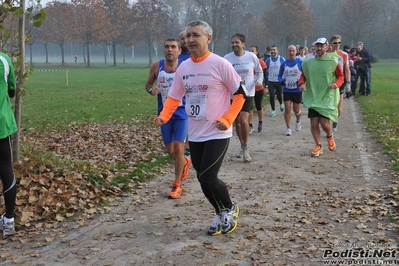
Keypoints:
pixel 73 172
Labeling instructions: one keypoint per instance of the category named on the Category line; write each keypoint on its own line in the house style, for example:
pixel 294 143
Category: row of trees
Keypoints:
pixel 107 22
pixel 117 23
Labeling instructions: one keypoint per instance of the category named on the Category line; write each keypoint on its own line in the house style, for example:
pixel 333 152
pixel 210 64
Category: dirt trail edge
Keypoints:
pixel 295 210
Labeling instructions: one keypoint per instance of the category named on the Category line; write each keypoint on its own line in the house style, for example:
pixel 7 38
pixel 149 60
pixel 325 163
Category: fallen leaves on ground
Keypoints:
pixel 51 191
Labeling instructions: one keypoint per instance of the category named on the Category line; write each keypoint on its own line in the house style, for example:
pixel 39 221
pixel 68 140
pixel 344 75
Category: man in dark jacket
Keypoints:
pixel 364 69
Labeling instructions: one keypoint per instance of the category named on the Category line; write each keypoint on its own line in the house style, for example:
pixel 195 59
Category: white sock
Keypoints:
pixel 7 220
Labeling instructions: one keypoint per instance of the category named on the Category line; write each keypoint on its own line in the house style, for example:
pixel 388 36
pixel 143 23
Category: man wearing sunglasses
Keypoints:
pixel 335 43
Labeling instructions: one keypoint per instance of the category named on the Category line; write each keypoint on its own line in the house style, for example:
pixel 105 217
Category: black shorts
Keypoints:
pixel 313 113
pixel 247 105
pixel 295 97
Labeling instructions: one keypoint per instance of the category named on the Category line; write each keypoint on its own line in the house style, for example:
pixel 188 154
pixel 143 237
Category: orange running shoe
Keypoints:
pixel 185 169
pixel 317 151
pixel 331 143
pixel 176 191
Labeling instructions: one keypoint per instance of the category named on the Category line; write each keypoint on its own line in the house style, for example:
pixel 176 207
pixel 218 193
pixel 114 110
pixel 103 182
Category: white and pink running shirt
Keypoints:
pixel 207 85
pixel 246 65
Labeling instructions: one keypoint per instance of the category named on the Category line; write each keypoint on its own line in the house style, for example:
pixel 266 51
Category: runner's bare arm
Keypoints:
pixel 152 77
pixel 169 108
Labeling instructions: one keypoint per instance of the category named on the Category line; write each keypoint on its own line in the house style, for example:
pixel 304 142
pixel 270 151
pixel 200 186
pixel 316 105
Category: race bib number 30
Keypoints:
pixel 196 106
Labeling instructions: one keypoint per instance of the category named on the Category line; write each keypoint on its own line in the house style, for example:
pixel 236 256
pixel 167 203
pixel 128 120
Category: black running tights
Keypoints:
pixel 275 88
pixel 7 176
pixel 207 157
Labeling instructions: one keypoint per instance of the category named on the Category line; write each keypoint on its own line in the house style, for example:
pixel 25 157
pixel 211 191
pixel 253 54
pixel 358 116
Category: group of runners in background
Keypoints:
pixel 211 93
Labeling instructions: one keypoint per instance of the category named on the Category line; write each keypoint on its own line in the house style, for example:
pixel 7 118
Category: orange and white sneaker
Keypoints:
pixel 176 191
pixel 331 143
pixel 317 151
pixel 185 169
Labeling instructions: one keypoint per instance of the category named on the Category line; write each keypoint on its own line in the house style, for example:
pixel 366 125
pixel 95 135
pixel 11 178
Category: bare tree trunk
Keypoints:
pixel 46 48
pixel 105 53
pixel 155 45
pixel 62 54
pixel 84 54
pixel 150 54
pixel 124 56
pixel 88 54
pixel 114 52
pixel 20 84
pixel 30 54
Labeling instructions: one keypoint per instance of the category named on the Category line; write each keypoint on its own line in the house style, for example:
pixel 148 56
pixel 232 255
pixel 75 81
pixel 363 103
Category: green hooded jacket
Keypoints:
pixel 8 125
pixel 319 73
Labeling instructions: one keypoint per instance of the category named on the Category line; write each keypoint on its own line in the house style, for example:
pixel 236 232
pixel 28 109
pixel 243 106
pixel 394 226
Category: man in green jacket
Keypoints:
pixel 320 81
pixel 8 126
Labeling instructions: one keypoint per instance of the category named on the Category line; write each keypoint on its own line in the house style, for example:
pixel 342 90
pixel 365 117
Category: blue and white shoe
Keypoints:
pixel 216 226
pixel 230 219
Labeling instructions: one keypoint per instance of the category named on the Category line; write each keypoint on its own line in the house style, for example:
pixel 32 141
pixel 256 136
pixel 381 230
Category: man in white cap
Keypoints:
pixel 320 81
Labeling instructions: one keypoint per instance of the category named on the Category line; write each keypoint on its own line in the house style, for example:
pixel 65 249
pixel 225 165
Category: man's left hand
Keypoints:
pixel 333 86
pixel 220 126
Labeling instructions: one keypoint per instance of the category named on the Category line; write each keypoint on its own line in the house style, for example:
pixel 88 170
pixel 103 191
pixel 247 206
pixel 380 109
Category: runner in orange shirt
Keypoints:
pixel 335 42
pixel 259 92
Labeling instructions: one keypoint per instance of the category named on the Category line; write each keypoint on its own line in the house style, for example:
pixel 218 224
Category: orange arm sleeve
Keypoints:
pixel 340 76
pixel 302 79
pixel 235 108
pixel 168 109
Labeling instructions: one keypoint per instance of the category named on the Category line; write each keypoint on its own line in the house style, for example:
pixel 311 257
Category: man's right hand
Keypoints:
pixel 158 122
pixel 154 90
pixel 347 87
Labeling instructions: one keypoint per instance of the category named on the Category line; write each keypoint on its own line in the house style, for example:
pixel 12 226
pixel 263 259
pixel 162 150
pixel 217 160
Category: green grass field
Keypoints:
pixel 381 109
pixel 58 99
pixel 101 94
pixel 54 99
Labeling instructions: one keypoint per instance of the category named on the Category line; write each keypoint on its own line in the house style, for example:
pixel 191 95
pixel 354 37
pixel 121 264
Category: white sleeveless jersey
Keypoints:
pixel 274 67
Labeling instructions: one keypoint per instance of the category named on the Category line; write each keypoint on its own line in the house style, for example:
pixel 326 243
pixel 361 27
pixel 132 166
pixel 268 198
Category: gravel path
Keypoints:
pixel 294 210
